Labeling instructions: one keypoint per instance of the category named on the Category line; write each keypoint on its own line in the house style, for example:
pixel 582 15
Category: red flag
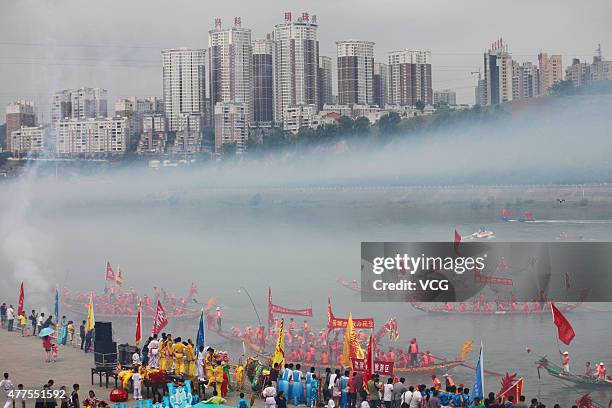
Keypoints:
pixel 20 307
pixel 564 328
pixel 369 361
pixel 161 319
pixel 138 324
pixel 515 390
pixel 110 274
pixel 457 241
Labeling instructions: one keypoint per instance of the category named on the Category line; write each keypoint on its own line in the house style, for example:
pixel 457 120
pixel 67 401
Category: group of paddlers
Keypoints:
pixel 311 347
pixel 116 302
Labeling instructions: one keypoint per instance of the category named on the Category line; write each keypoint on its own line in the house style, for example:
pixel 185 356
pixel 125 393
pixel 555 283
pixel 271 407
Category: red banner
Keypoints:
pixel 380 367
pixel 336 323
pixel 272 308
pixel 161 319
pixel 383 368
pixel 138 335
pixel 21 296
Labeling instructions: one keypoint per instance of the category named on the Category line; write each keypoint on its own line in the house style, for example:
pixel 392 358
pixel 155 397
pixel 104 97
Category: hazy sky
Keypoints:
pixel 46 45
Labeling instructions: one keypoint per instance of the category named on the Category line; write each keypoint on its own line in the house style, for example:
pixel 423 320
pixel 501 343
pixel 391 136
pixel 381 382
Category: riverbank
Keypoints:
pixel 24 359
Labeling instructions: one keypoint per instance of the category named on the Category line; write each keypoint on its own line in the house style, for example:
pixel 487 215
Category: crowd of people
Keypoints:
pixel 47 396
pixel 337 389
pixel 284 386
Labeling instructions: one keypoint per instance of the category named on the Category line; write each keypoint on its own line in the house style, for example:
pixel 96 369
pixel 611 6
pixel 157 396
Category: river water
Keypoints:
pixel 298 247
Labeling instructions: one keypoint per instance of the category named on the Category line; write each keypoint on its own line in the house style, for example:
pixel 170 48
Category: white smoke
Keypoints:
pixel 24 247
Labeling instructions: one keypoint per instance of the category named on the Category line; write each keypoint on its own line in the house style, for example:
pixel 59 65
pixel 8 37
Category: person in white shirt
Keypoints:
pixel 137 384
pixel 135 359
pixel 269 393
pixel 10 316
pixel 154 352
pixel 6 386
pixel 388 393
pixel 407 397
pixel 415 402
pixel 331 403
pixel 364 403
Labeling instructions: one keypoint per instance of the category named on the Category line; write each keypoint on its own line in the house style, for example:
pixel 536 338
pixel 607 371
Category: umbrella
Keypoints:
pixel 46 332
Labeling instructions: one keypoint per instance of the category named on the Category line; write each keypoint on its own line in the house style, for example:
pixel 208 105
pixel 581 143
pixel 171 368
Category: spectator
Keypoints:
pixel 10 317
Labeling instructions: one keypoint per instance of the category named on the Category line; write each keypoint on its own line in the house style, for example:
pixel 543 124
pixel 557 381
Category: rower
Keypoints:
pixel 601 372
pixel 449 381
pixel 565 362
pixel 588 371
pixel 436 382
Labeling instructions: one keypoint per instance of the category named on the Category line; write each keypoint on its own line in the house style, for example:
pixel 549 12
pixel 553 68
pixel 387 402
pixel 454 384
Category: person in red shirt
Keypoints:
pixel 47 343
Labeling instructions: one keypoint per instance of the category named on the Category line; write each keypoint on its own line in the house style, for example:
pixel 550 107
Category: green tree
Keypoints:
pixel 420 105
pixel 563 88
pixel 346 125
pixel 387 124
pixel 362 125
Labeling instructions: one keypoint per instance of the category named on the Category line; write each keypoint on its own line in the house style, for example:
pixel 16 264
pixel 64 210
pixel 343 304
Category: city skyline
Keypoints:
pixel 44 59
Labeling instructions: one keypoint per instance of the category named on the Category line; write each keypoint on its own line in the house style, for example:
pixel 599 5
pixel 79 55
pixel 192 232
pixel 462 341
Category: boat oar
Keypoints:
pixel 495 373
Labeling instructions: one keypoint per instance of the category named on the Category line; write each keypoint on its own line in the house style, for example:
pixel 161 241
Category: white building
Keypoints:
pixel 184 83
pixel 299 116
pixel 498 73
pixel 91 136
pixel 230 54
pixel 355 72
pixel 79 104
pixel 410 78
pixel 154 134
pixel 231 125
pixel 445 96
pixel 296 63
pixel 380 85
pixel 28 139
pixel 134 109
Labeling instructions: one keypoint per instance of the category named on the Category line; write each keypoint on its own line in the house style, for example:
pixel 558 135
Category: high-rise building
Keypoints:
pixel 183 83
pixel 91 136
pixel 380 85
pixel 446 97
pixel 355 72
pixel 525 80
pixel 325 81
pixel 263 80
pixel 480 92
pixel 28 139
pixel 18 114
pixel 79 103
pixel 296 63
pixel 134 109
pixel 498 73
pixel 551 71
pixel 231 126
pixel 154 135
pixel 230 54
pixel 189 133
pixel 410 77
pixel 579 72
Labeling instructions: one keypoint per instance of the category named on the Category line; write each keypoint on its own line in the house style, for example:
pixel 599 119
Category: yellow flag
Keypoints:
pixel 279 349
pixel 350 345
pixel 91 321
pixel 119 277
